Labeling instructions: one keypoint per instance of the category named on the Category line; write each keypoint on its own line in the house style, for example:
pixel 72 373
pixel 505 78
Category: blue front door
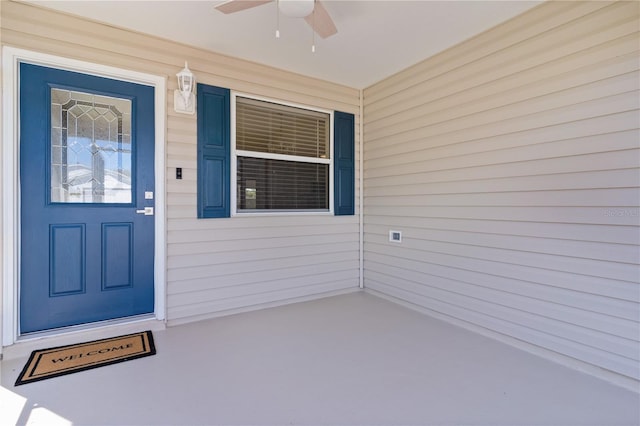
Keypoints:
pixel 86 176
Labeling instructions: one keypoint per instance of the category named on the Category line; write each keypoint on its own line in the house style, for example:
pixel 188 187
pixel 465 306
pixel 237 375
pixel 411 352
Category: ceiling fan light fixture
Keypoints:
pixel 296 8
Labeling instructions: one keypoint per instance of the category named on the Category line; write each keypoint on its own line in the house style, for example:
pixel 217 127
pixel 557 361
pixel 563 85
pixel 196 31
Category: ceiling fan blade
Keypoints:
pixel 321 22
pixel 233 6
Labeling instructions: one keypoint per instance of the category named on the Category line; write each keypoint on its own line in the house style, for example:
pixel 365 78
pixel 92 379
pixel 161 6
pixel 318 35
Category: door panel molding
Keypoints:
pixel 117 242
pixel 10 262
pixel 67 275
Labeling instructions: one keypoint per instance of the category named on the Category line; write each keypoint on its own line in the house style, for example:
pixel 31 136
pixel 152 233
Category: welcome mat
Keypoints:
pixel 54 362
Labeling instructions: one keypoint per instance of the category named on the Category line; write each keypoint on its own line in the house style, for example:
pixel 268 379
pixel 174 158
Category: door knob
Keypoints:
pixel 147 211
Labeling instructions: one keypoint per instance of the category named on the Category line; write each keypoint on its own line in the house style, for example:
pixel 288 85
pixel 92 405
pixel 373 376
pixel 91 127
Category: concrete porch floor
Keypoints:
pixel 353 359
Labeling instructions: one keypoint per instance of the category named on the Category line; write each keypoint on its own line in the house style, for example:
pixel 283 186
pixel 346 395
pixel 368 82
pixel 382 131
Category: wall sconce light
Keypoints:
pixel 184 100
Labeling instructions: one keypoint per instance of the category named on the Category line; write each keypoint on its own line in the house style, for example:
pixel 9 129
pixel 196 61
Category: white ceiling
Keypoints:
pixel 375 39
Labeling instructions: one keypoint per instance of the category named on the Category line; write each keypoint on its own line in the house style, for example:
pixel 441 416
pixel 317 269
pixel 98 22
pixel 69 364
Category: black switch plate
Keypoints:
pixel 178 172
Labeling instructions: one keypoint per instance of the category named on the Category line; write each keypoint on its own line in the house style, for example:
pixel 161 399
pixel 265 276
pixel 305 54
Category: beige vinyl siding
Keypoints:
pixel 213 265
pixel 510 162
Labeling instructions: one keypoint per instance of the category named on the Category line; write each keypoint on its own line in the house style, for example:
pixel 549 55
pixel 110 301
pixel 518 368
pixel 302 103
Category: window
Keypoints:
pixel 282 157
pixel 90 148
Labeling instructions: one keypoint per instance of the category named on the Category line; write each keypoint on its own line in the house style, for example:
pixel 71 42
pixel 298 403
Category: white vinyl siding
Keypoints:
pixel 213 266
pixel 511 165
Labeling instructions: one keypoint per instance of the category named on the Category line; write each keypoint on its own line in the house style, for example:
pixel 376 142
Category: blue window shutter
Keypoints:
pixel 214 151
pixel 343 165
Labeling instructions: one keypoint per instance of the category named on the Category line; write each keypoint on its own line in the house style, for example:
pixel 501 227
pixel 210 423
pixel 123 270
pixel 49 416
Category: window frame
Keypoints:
pixel 234 153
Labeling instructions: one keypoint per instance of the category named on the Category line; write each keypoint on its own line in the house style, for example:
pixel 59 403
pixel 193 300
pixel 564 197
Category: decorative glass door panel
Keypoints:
pixel 90 148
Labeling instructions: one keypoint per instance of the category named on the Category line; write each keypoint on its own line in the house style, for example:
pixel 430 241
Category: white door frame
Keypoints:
pixel 9 154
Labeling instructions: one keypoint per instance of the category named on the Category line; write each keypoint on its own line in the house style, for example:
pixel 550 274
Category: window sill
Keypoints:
pixel 282 213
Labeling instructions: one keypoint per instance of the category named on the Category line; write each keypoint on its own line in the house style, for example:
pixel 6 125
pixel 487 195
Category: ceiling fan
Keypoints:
pixel 312 11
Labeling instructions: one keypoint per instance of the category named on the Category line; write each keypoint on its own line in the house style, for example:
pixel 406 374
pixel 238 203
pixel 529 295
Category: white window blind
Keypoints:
pixel 283 157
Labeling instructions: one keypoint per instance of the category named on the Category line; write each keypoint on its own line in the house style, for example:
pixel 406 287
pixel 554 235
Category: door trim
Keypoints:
pixel 9 153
